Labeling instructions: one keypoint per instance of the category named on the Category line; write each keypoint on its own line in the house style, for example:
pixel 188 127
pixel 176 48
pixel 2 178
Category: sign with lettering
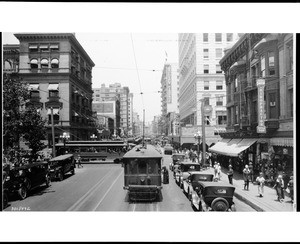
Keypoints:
pixel 261 128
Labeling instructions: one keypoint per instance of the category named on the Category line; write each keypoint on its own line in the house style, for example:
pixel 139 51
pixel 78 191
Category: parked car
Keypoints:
pixel 168 149
pixel 183 171
pixel 192 182
pixel 28 177
pixel 176 159
pixel 213 196
pixel 61 165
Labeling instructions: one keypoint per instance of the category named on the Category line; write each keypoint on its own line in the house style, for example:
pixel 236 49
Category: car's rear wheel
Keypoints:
pixel 22 192
pixel 219 204
pixel 60 176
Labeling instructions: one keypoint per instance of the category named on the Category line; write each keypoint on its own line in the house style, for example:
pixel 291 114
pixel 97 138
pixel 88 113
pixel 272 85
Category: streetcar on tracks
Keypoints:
pixel 142 173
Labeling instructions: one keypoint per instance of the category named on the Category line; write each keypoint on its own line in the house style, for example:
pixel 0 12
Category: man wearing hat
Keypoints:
pixel 279 186
pixel 246 175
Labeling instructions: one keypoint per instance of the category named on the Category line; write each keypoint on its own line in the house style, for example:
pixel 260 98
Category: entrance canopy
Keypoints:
pixel 232 147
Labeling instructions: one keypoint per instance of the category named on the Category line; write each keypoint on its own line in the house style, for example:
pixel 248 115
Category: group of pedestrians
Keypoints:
pixel 279 185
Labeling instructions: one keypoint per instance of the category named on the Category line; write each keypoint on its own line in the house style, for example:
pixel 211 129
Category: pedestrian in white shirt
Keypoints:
pixel 260 182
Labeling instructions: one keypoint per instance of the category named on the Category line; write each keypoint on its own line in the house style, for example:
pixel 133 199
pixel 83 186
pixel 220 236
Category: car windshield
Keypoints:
pixel 187 168
pixel 197 177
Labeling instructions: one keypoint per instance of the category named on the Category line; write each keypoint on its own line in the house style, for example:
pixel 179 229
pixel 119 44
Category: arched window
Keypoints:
pixel 54 63
pixel 7 65
pixel 44 63
pixel 34 63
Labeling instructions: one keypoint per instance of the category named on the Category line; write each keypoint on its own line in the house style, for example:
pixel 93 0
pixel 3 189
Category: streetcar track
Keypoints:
pixel 108 191
pixel 81 201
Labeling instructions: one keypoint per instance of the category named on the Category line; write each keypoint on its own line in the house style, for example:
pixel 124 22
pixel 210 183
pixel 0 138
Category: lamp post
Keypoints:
pixel 65 136
pixel 197 136
pixel 93 137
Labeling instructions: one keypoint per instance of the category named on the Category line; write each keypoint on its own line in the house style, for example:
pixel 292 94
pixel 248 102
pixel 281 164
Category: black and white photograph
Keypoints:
pixel 149 125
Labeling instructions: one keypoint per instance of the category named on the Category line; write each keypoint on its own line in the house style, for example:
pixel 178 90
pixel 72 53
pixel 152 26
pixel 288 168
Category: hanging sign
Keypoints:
pixel 261 128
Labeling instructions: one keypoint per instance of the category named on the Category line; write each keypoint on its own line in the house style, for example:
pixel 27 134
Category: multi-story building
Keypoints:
pixel 259 83
pixel 126 103
pixel 59 72
pixel 169 96
pixel 137 126
pixel 202 80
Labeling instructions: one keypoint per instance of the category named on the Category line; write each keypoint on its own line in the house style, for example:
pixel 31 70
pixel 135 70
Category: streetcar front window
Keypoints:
pixel 133 167
pixel 152 167
pixel 142 167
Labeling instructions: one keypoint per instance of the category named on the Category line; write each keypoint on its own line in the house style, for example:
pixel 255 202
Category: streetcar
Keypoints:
pixel 93 150
pixel 142 173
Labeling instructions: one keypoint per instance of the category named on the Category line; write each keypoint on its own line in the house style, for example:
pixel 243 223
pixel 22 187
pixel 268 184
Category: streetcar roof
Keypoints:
pixel 61 157
pixel 140 152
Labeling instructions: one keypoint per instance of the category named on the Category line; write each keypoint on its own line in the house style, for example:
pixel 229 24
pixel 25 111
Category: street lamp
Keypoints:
pixel 93 137
pixel 65 137
pixel 197 137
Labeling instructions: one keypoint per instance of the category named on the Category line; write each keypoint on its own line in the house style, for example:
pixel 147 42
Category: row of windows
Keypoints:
pixel 43 47
pixel 44 63
pixel 206 69
pixel 218 37
pixel 219 85
pixel 219 52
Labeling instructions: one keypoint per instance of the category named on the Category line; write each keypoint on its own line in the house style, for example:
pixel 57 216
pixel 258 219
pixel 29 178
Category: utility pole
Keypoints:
pixel 203 134
pixel 143 127
pixel 53 135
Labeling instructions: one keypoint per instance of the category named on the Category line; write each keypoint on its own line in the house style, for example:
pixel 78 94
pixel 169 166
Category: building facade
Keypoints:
pixel 126 104
pixel 169 96
pixel 59 73
pixel 259 89
pixel 202 80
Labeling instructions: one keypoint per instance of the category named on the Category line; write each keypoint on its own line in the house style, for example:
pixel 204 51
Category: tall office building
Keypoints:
pixel 202 80
pixel 126 104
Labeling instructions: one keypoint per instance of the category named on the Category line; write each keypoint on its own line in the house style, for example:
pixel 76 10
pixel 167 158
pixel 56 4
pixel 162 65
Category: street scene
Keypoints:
pixel 205 125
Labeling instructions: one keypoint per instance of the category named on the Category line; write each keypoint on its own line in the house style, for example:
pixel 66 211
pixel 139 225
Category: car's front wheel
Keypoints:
pixel 22 192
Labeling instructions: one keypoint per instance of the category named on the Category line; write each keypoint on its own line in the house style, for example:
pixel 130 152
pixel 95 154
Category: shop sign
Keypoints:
pixel 261 128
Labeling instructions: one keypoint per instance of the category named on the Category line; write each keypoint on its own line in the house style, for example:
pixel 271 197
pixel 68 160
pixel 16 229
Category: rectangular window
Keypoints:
pixel 205 37
pixel 53 93
pixel 289 56
pixel 236 114
pixel 235 84
pixel 222 120
pixel 229 37
pixel 206 85
pixel 218 37
pixel 291 102
pixel 205 53
pixel 219 101
pixel 207 120
pixel 262 66
pixel 219 85
pixel 206 101
pixel 34 94
pixel 206 69
pixel 44 48
pixel 272 100
pixel 219 52
pixel 54 47
pixel 271 63
pixel 218 69
pixel 33 47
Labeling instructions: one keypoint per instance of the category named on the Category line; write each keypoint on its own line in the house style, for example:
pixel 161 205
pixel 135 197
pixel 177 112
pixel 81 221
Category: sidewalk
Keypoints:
pixel 267 203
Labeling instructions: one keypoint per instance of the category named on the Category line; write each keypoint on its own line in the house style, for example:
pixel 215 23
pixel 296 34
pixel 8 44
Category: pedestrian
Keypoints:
pixel 290 186
pixel 251 171
pixel 260 182
pixel 246 176
pixel 78 161
pixel 217 172
pixel 279 186
pixel 230 174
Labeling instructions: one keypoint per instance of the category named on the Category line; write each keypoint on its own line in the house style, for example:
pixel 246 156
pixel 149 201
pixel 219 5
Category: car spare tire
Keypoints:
pixel 220 204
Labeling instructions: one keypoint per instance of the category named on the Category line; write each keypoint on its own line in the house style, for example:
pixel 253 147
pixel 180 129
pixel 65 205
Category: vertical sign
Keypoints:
pixel 261 128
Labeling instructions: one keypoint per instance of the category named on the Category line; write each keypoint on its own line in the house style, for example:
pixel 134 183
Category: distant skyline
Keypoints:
pixel 116 56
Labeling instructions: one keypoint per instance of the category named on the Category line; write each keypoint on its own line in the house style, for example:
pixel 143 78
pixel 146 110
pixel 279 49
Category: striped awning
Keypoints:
pixel 53 87
pixel 283 142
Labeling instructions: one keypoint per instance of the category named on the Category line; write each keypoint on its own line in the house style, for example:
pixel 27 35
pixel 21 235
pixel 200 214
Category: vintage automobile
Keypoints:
pixel 176 159
pixel 192 182
pixel 168 149
pixel 61 165
pixel 183 171
pixel 28 177
pixel 213 196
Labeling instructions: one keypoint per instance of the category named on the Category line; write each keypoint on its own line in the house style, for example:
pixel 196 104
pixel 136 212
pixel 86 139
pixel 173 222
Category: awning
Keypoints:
pixel 53 87
pixel 238 63
pixel 55 111
pixel 33 46
pixel 33 61
pixel 44 46
pixel 44 61
pixel 34 87
pixel 54 61
pixel 54 46
pixel 232 148
pixel 283 142
pixel 268 38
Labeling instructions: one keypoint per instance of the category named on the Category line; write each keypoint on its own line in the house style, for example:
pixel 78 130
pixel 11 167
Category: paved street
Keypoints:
pixel 97 187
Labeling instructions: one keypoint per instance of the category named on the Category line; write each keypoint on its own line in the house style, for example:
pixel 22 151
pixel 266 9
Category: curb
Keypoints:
pixel 248 202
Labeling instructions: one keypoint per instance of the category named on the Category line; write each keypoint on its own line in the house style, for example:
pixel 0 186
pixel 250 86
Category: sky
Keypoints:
pixel 135 60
